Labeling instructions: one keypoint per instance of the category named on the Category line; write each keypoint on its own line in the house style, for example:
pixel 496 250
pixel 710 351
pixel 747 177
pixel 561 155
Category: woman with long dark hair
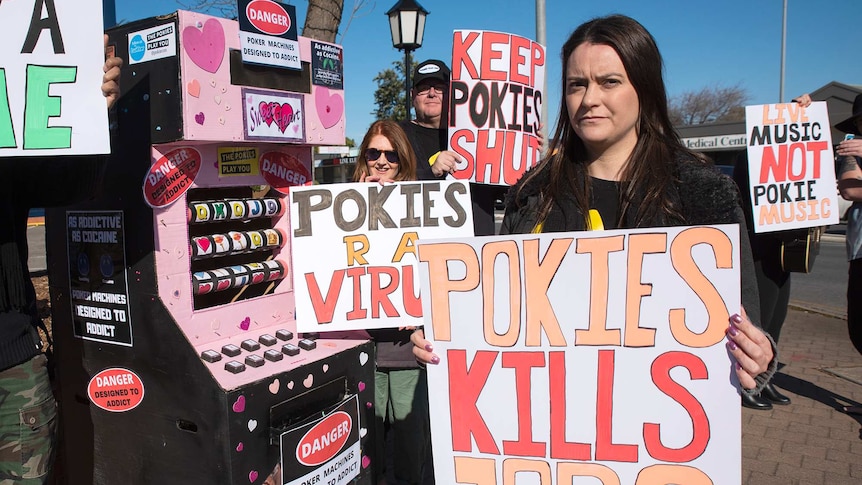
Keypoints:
pixel 616 162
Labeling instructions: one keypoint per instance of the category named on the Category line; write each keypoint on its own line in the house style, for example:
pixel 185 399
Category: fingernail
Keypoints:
pixel 435 360
pixel 731 345
pixel 732 330
pixel 735 318
pixel 429 347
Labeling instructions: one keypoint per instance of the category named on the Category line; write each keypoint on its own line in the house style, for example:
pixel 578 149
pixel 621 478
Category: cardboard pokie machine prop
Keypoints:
pixel 174 313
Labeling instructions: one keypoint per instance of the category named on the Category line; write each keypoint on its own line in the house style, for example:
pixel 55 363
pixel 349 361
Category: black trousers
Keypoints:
pixel 854 303
pixel 773 284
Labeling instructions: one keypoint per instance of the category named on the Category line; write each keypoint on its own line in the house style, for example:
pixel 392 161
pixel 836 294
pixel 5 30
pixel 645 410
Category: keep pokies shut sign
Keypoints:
pixel 790 166
pixel 591 354
pixel 51 56
pixel 496 98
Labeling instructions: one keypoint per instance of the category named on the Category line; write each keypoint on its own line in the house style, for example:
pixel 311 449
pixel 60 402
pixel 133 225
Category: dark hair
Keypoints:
pixel 396 136
pixel 648 171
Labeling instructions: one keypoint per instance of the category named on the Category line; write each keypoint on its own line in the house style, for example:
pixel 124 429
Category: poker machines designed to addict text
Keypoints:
pixel 173 309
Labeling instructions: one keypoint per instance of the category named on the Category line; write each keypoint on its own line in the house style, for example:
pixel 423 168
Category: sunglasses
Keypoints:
pixel 372 154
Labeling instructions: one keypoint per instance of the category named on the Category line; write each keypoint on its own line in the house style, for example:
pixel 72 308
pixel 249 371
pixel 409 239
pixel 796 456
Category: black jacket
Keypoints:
pixel 704 195
pixel 26 183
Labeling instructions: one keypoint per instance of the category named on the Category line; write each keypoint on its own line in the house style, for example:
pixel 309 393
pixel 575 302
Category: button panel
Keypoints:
pixel 237 363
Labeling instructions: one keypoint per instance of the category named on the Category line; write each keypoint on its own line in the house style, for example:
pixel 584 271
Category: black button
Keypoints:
pixel 254 360
pixel 234 367
pixel 290 349
pixel 210 356
pixel 273 355
pixel 306 344
pixel 230 350
pixel 267 339
pixel 284 334
pixel 250 345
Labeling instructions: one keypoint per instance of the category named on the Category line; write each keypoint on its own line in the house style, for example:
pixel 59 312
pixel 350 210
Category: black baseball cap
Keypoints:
pixel 431 69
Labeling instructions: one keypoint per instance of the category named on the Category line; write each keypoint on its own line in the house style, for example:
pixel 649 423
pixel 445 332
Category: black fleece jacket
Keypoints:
pixel 704 196
pixel 26 183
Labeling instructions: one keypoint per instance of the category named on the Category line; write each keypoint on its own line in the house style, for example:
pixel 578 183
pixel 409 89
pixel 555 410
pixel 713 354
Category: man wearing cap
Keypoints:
pixel 850 185
pixel 428 134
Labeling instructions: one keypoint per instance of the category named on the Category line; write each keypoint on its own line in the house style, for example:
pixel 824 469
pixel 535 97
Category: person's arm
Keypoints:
pixel 850 178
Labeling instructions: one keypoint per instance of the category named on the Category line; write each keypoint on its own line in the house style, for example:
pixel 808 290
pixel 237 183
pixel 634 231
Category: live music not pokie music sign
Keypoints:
pixel 790 166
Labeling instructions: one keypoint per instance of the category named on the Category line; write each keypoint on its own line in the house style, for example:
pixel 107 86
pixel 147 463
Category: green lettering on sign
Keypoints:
pixel 7 131
pixel 41 107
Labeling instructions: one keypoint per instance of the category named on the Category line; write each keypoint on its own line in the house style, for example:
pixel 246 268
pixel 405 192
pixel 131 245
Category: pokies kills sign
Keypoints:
pixel 592 354
pixel 790 166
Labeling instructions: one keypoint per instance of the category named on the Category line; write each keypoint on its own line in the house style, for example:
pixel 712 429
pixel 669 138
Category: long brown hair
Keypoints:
pixel 396 136
pixel 648 171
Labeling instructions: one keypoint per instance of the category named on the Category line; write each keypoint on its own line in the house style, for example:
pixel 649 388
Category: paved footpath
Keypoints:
pixel 811 441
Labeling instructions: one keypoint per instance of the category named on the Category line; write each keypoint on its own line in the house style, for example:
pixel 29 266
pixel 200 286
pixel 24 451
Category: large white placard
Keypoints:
pixel 591 354
pixel 51 57
pixel 790 166
pixel 354 249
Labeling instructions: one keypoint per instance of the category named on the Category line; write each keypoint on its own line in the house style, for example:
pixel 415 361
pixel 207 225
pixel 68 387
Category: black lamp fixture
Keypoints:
pixel 407 25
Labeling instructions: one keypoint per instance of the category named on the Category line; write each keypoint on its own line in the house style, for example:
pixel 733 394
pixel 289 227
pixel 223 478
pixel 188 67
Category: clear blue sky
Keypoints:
pixel 704 43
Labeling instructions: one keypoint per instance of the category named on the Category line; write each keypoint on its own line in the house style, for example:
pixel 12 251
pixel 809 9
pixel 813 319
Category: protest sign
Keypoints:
pixel 51 57
pixel 354 249
pixel 593 354
pixel 790 166
pixel 495 105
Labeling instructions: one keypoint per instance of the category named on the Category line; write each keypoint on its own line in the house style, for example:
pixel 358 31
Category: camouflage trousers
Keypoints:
pixel 28 423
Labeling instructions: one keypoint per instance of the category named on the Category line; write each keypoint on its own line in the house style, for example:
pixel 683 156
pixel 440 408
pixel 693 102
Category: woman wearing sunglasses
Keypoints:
pixel 400 389
pixel 385 155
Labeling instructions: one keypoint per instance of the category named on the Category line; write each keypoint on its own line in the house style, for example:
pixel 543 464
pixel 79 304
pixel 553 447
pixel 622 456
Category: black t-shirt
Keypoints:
pixel 425 142
pixel 605 198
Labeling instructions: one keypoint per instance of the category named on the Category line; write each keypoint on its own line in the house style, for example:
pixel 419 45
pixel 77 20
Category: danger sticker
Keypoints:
pixel 116 390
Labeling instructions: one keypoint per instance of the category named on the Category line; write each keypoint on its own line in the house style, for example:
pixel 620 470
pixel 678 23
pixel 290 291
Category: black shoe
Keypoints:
pixel 771 393
pixel 754 401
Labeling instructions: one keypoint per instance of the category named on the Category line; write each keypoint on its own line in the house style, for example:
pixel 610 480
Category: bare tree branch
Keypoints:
pixel 710 104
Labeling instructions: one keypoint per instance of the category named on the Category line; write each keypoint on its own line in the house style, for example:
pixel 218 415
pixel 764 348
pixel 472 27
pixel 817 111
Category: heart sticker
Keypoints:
pixel 290 385
pixel 362 432
pixel 308 381
pixel 365 462
pixel 273 387
pixel 329 107
pixel 363 358
pixel 361 386
pixel 199 118
pixel 239 447
pixel 239 405
pixel 252 424
pixel 325 368
pixel 245 323
pixel 194 88
pixel 205 47
pixel 252 476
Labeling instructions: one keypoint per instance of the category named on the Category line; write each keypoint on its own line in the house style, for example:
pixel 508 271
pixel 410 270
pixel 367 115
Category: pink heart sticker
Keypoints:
pixel 194 88
pixel 206 48
pixel 252 476
pixel 365 462
pixel 361 386
pixel 199 118
pixel 239 405
pixel 245 323
pixel 329 107
pixel 239 447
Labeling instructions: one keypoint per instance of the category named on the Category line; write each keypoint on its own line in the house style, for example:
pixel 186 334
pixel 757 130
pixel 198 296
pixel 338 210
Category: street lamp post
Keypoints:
pixel 407 25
